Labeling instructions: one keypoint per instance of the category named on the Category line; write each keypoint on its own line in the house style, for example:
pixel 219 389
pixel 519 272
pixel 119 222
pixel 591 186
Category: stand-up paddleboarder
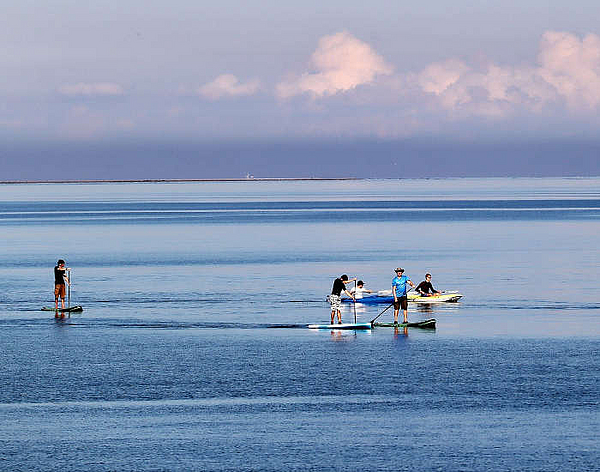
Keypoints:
pixel 335 301
pixel 60 279
pixel 399 291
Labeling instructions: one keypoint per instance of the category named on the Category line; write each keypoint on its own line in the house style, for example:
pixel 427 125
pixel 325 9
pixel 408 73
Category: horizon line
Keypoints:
pixel 113 181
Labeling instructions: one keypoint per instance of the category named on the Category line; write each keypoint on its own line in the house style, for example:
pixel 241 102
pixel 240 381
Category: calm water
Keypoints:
pixel 192 351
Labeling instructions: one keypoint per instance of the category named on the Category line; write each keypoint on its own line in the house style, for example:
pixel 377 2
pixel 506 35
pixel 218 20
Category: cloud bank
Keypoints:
pixel 227 85
pixel 348 89
pixel 566 75
pixel 572 67
pixel 341 63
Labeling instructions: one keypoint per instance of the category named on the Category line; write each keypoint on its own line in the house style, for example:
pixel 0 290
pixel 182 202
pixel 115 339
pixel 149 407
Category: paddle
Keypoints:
pixel 69 289
pixel 354 299
pixel 373 320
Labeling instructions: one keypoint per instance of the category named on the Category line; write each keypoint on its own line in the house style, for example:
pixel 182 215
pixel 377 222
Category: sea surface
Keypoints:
pixel 192 352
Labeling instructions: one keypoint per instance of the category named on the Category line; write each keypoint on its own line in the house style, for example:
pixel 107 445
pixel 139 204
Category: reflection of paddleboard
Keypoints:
pixel 429 324
pixel 341 326
pixel 75 308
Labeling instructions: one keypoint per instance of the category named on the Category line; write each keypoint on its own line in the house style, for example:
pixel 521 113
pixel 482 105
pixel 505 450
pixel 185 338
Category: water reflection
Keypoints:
pixel 400 331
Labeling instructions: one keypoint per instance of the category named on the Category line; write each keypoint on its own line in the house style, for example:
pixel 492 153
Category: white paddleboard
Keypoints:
pixel 341 326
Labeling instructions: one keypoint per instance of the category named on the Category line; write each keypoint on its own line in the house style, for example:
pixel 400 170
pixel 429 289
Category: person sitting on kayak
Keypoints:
pixel 359 290
pixel 425 288
pixel 339 284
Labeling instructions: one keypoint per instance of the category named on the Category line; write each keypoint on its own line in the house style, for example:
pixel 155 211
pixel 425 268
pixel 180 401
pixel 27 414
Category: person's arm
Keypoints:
pixel 420 288
pixel 346 290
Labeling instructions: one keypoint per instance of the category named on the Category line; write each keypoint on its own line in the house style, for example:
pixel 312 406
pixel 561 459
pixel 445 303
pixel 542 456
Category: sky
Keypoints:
pixel 196 89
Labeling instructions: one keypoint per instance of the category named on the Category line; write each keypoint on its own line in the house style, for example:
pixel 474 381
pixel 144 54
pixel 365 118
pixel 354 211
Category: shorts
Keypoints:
pixel 59 290
pixel 336 302
pixel 401 302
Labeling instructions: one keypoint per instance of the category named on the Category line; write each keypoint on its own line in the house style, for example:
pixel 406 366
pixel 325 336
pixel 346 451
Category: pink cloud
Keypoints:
pixel 341 62
pixel 227 85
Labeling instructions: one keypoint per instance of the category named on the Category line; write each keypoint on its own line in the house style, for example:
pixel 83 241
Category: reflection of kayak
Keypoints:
pixel 342 326
pixel 429 324
pixel 445 297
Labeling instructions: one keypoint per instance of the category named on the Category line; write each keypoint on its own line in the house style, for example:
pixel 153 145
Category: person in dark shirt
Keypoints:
pixel 335 301
pixel 60 279
pixel 425 288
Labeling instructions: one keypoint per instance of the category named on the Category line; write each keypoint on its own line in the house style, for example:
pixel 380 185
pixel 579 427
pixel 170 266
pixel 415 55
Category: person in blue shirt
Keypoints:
pixel 399 292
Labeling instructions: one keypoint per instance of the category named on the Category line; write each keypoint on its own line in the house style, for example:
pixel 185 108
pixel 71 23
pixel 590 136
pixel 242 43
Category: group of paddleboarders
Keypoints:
pixel 399 282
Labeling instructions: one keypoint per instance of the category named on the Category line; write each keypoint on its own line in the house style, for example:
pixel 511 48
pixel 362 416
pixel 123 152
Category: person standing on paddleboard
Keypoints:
pixel 335 301
pixel 399 291
pixel 426 289
pixel 60 278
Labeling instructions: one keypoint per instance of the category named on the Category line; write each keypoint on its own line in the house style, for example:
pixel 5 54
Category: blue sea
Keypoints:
pixel 193 353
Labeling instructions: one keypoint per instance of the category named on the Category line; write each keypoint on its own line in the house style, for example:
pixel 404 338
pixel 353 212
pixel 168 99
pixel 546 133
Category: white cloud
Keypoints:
pixel 568 71
pixel 228 85
pixel 438 77
pixel 91 89
pixel 341 62
pixel 572 66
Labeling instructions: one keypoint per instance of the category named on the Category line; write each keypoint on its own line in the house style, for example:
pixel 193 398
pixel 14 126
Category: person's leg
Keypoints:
pixel 396 310
pixel 62 293
pixel 333 300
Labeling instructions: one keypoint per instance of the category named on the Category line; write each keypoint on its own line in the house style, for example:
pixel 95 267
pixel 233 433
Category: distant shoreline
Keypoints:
pixel 134 181
pixel 279 179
